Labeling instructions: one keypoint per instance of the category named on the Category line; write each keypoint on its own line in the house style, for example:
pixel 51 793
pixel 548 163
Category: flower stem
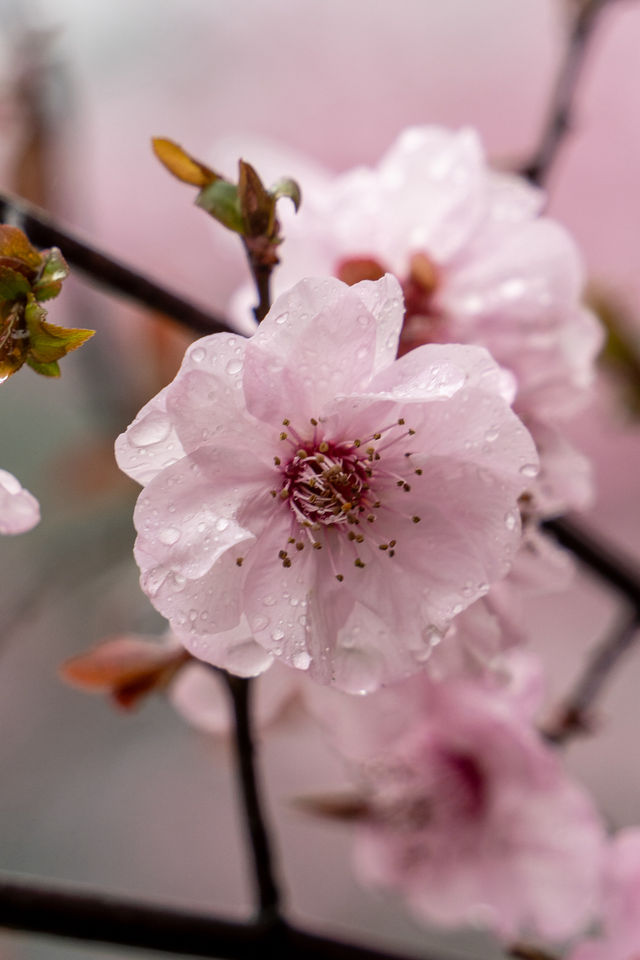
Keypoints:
pixel 266 889
pixel 560 113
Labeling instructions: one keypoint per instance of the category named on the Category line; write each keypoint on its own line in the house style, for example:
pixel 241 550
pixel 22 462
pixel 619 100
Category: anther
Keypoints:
pixel 301 453
pixel 411 432
pixel 406 487
pixel 391 553
pixel 359 538
pixel 283 435
pixel 370 518
pixel 317 545
pixel 285 422
pixel 282 554
pixel 284 494
pixel 351 535
pixel 401 422
pixel 323 447
pixel 358 563
pixel 383 546
pixel 392 543
pixel 377 436
pixel 346 507
pixel 339 577
pixel 356 443
pixel 416 519
pixel 314 422
pixel 239 561
pixel 419 472
pixel 286 562
pixel 291 540
pixel 299 545
pixel 277 461
pixel 274 493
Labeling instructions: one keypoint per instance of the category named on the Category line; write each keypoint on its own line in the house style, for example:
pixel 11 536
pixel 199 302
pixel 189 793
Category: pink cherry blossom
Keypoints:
pixel 344 502
pixel 469 816
pixel 477 262
pixel 620 904
pixel 19 510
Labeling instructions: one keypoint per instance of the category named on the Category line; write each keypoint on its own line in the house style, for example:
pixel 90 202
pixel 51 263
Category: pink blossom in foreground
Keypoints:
pixel 469 816
pixel 620 904
pixel 336 497
pixel 19 510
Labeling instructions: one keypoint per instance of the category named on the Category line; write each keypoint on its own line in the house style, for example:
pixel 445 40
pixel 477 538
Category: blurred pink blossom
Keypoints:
pixel 337 498
pixel 469 815
pixel 620 904
pixel 477 262
pixel 19 510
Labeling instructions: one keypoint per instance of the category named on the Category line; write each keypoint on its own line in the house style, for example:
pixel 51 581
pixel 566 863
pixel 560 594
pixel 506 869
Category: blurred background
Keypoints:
pixel 141 804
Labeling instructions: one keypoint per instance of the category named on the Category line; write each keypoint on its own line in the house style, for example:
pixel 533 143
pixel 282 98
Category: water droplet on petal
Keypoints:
pixel 153 429
pixel 198 354
pixel 221 524
pixel 529 470
pixel 169 536
pixel 511 520
pixel 301 660
pixel 282 318
pixel 233 367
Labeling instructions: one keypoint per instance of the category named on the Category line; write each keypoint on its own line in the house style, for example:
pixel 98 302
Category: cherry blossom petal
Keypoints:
pixel 19 510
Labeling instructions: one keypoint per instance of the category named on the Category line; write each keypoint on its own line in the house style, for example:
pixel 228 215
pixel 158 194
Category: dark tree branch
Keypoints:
pixel 62 911
pixel 106 271
pixel 574 716
pixel 560 114
pixel 602 559
pixel 266 889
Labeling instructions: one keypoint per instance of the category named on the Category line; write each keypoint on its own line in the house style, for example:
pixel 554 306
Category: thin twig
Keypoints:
pixel 105 270
pixel 560 114
pixel 606 562
pixel 60 910
pixel 266 888
pixel 573 718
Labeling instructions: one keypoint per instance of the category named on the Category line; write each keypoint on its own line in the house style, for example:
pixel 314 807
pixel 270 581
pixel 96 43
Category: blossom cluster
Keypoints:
pixel 353 494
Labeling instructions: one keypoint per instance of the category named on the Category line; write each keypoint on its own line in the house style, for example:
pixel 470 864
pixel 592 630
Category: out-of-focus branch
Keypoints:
pixel 573 717
pixel 602 559
pixel 105 270
pixel 267 893
pixel 560 113
pixel 61 911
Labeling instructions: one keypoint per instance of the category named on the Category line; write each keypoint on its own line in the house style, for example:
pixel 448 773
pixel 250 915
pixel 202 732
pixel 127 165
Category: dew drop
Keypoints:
pixel 491 434
pixel 511 520
pixel 169 535
pixel 269 601
pixel 282 318
pixel 529 470
pixel 277 634
pixel 233 367
pixel 301 660
pixel 259 622
pixel 221 524
pixel 198 354
pixel 153 429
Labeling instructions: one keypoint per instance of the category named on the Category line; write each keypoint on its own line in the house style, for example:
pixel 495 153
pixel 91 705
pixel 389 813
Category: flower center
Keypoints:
pixel 340 485
pixel 326 486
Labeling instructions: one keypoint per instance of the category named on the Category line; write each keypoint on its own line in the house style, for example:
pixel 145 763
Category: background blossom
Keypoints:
pixel 19 510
